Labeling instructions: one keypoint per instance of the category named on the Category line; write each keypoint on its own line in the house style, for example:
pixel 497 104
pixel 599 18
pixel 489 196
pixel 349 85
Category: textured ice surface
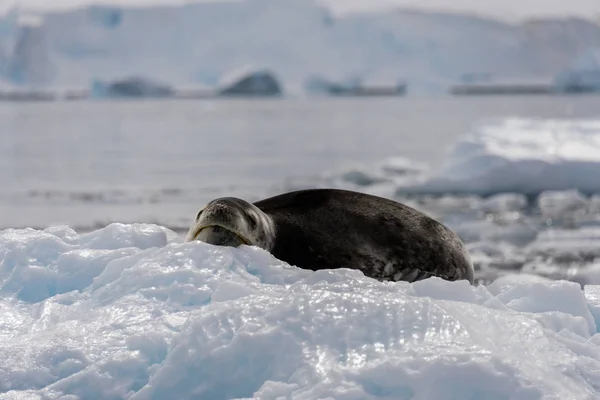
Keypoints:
pixel 130 312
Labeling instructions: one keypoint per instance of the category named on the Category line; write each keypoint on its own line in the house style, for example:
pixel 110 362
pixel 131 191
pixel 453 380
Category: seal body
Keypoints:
pixel 331 228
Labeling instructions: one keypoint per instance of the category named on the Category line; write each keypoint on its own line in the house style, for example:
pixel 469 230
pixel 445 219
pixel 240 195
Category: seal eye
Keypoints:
pixel 199 213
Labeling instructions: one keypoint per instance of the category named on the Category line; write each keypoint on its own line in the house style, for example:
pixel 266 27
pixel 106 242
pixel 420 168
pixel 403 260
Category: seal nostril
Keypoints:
pixel 198 215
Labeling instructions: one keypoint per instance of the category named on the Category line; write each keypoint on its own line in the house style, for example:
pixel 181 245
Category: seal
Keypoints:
pixel 332 228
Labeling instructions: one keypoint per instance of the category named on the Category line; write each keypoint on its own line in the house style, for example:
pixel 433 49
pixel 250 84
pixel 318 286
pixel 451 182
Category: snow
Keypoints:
pixel 189 44
pixel 525 156
pixel 129 311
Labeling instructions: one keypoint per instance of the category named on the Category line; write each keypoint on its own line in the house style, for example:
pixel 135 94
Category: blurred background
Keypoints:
pixel 484 114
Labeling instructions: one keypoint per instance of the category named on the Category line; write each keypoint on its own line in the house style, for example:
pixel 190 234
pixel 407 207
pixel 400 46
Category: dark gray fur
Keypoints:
pixel 329 228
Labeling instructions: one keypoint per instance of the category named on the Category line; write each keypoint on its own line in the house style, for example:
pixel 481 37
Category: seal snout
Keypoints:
pixel 220 236
pixel 230 221
pixel 219 223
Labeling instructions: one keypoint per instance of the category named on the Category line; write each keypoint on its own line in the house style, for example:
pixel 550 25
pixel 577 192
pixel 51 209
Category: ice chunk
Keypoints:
pixel 504 202
pixel 132 316
pixel 118 236
pixel 526 156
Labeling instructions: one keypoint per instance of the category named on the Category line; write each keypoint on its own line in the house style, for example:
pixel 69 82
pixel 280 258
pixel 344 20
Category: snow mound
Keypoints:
pixel 526 156
pixel 129 311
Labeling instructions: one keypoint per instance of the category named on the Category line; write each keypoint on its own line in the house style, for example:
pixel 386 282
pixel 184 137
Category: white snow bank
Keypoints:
pixel 130 312
pixel 525 156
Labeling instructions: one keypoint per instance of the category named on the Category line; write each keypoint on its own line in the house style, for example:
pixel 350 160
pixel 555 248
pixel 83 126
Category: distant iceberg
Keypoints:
pixel 130 87
pixel 29 62
pixel 356 87
pixel 250 82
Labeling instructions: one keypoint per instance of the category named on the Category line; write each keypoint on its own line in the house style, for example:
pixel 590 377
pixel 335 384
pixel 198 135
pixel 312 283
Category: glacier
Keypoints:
pixel 131 312
pixel 193 45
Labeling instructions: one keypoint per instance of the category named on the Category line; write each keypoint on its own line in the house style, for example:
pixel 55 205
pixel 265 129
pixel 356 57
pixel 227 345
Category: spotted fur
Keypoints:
pixel 329 228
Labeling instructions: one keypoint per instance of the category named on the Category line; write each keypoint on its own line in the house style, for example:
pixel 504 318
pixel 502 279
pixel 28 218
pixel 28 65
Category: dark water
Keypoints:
pixel 89 163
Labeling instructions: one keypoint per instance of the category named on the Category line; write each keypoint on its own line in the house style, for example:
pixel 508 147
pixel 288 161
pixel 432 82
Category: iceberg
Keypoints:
pixel 130 87
pixel 131 312
pixel 29 62
pixel 526 156
pixel 250 82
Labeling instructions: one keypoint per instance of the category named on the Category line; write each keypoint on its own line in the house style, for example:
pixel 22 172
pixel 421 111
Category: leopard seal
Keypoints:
pixel 332 228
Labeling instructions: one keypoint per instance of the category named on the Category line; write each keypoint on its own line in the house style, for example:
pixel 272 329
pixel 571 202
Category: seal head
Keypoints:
pixel 230 221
